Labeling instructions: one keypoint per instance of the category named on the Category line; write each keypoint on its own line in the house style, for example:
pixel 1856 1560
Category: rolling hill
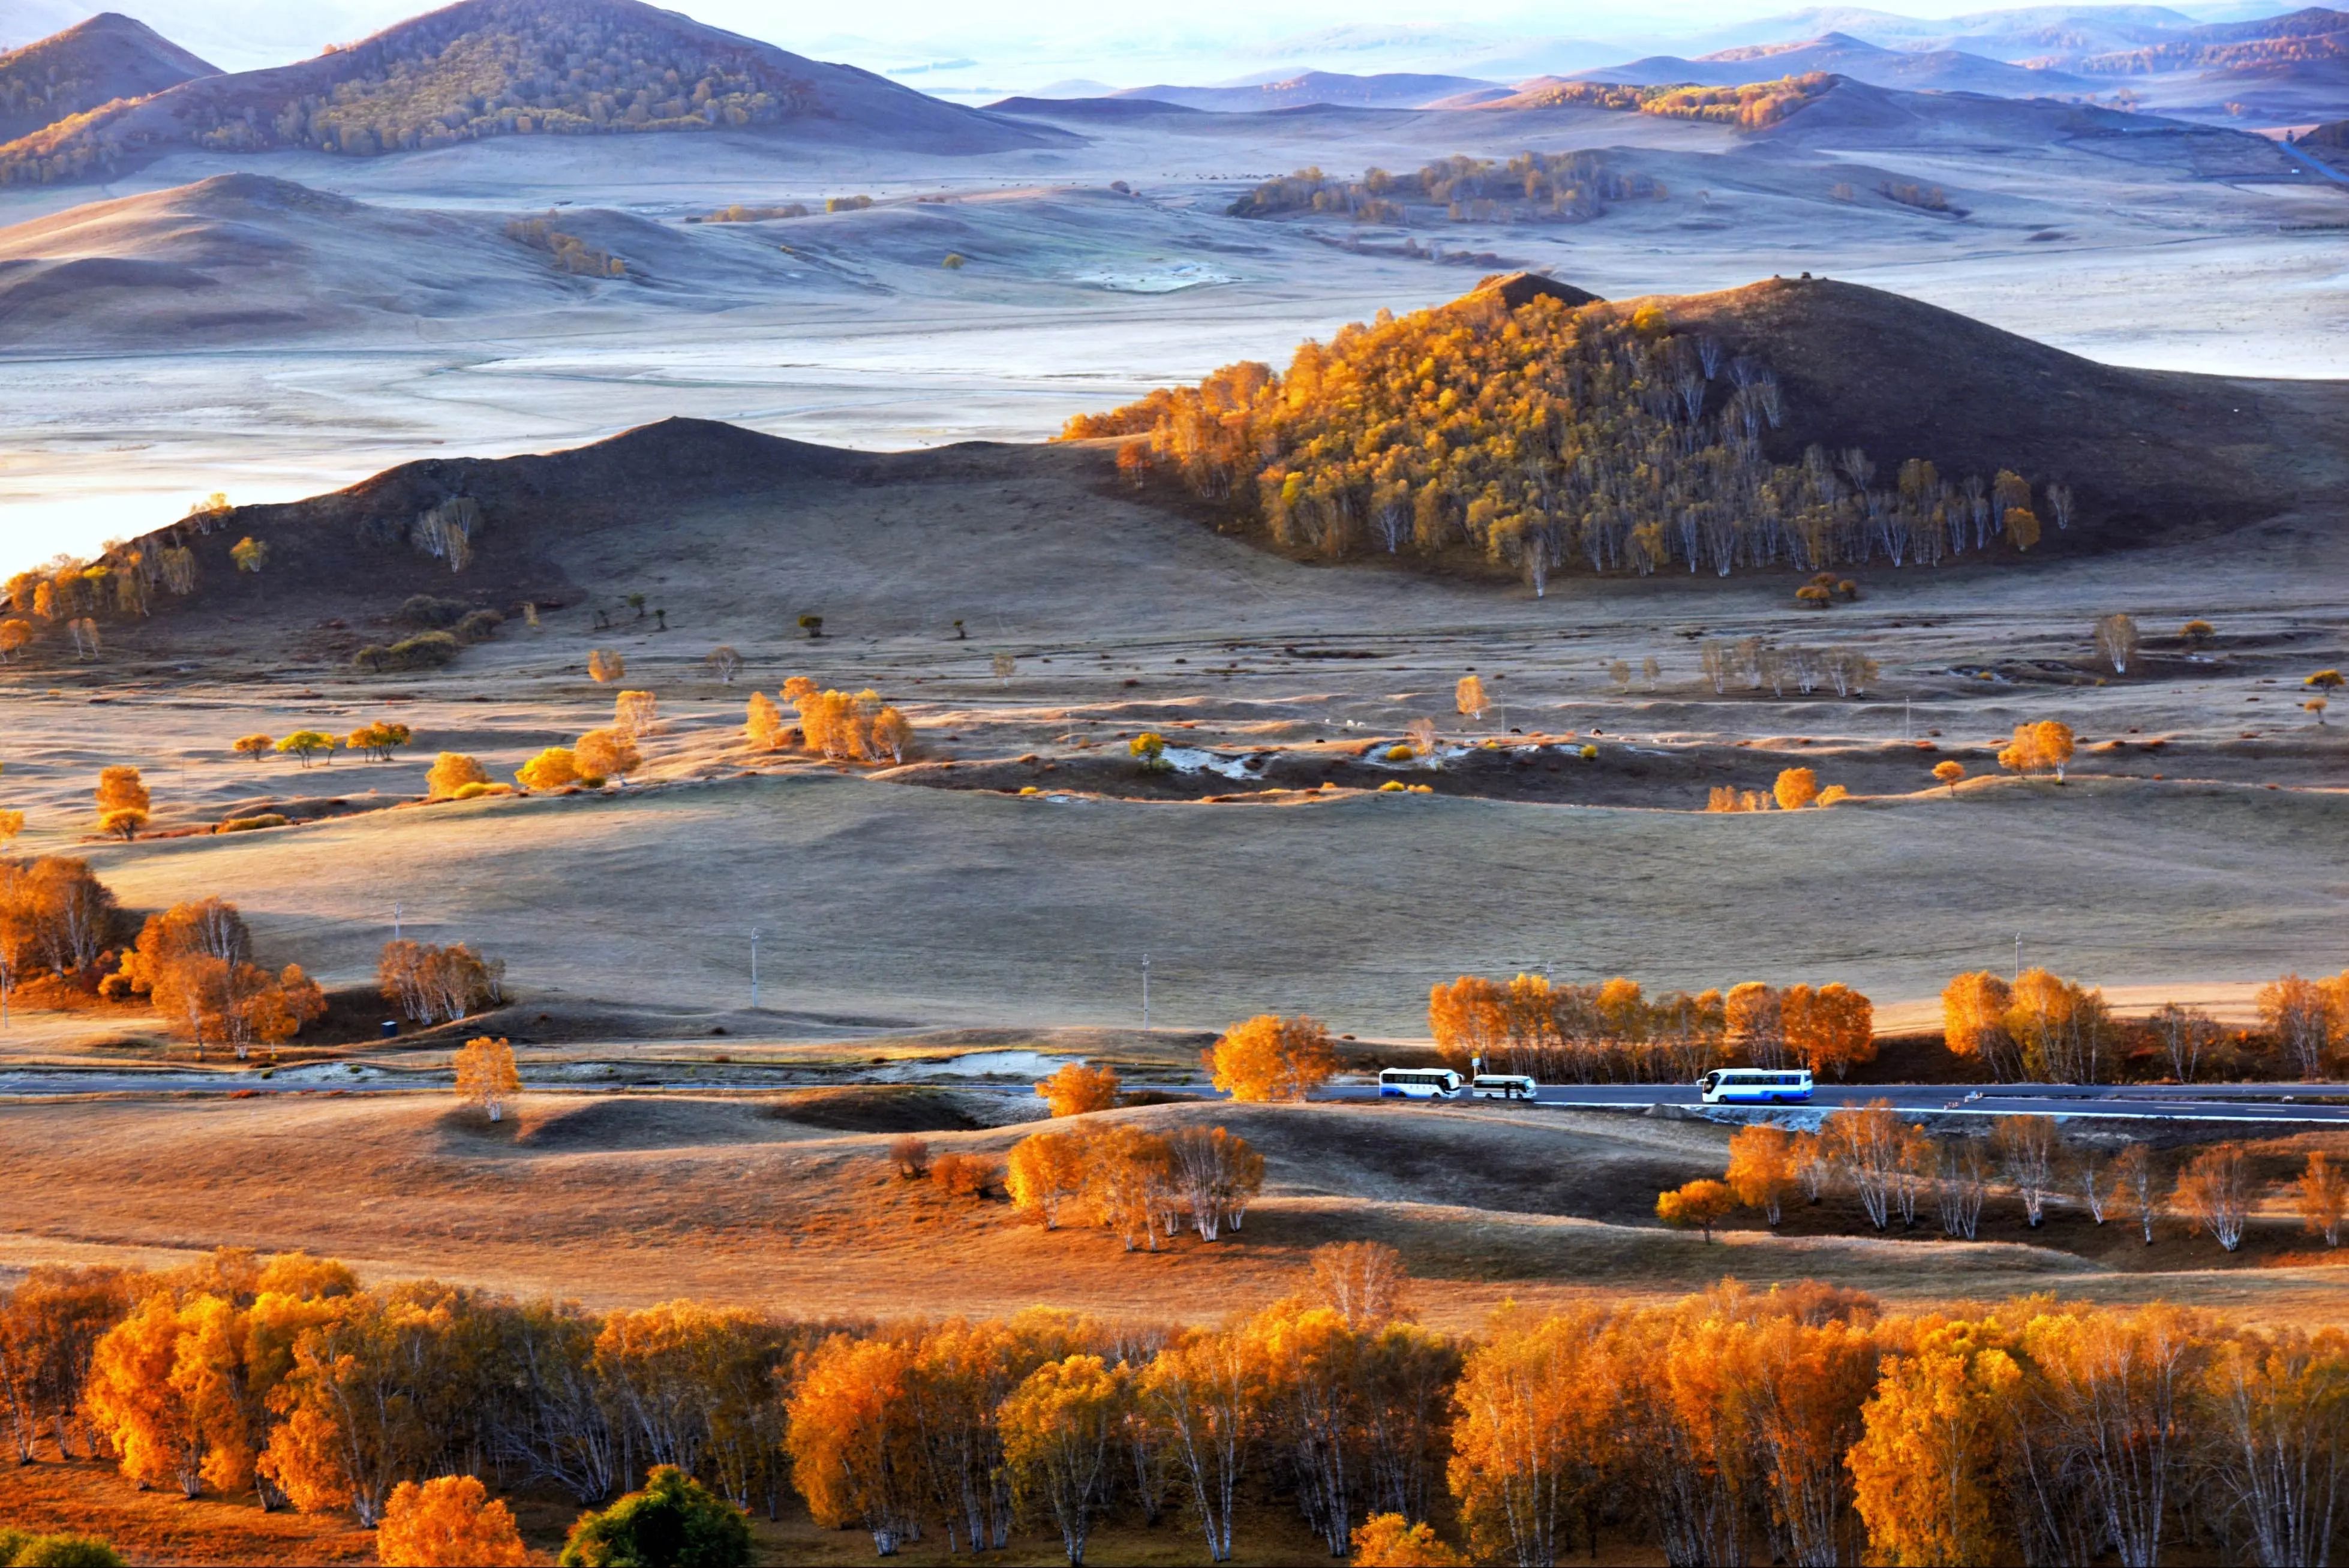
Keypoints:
pixel 1939 70
pixel 243 257
pixel 487 69
pixel 2149 455
pixel 1393 89
pixel 89 64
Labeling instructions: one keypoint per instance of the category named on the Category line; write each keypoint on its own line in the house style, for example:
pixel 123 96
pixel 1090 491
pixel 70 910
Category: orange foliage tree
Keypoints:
pixel 122 801
pixel 486 1076
pixel 1077 1089
pixel 1831 1029
pixel 450 1521
pixel 1762 1168
pixel 1272 1057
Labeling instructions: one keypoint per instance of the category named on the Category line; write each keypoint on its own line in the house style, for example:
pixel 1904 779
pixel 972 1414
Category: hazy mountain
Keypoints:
pixel 486 68
pixel 1940 70
pixel 1394 89
pixel 2011 35
pixel 108 56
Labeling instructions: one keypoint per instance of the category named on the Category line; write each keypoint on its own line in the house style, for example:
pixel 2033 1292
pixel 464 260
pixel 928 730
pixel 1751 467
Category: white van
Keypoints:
pixel 1502 1085
pixel 1757 1086
pixel 1419 1083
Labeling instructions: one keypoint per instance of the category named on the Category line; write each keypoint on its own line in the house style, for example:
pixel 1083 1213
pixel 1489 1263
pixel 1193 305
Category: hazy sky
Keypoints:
pixel 1010 35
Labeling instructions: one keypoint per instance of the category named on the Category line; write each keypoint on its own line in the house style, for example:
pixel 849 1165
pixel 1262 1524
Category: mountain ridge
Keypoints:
pixel 86 66
pixel 480 69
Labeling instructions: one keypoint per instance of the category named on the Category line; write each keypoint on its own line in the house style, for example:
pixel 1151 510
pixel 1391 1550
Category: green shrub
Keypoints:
pixel 674 1521
pixel 12 1540
pixel 65 1551
pixel 428 613
pixel 248 824
pixel 426 652
pixel 479 627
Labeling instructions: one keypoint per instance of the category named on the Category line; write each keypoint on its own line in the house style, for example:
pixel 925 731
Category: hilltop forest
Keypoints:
pixel 502 68
pixel 1546 435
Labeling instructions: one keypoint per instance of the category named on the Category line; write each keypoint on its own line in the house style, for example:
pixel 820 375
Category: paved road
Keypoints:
pixel 2206 1102
pixel 2212 1102
pixel 2319 165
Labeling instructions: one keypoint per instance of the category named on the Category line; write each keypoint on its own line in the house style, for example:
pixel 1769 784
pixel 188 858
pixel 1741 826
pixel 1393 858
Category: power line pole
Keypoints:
pixel 1145 992
pixel 754 969
pixel 2018 958
pixel 395 919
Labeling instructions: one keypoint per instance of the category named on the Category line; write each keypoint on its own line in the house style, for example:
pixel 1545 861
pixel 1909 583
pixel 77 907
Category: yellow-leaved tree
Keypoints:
pixel 1059 1426
pixel 1077 1089
pixel 551 769
pixel 1926 1471
pixel 451 772
pixel 1762 1168
pixel 1272 1057
pixel 763 725
pixel 1045 1171
pixel 122 801
pixel 1796 789
pixel 1391 1541
pixel 486 1074
pixel 450 1521
pixel 606 754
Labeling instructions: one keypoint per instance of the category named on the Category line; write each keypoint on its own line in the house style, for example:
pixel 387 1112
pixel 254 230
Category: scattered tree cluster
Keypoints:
pixel 1750 106
pixel 1541 438
pixel 1533 187
pixel 194 962
pixel 1803 1424
pixel 568 252
pixel 1141 1185
pixel 1612 1032
pixel 2045 746
pixel 432 985
pixel 1754 664
pixel 833 725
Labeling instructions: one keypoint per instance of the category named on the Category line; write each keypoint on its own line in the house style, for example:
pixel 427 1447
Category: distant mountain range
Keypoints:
pixel 91 63
pixel 1936 70
pixel 487 69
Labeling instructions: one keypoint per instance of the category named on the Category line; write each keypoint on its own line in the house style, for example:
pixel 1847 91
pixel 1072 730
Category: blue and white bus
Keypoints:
pixel 1757 1086
pixel 1419 1083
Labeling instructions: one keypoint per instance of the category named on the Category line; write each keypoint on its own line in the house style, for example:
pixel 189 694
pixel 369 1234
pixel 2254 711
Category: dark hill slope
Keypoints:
pixel 485 68
pixel 2146 450
pixel 91 63
pixel 365 539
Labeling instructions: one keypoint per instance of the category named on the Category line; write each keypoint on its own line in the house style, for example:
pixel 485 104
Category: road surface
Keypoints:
pixel 2268 1103
pixel 2202 1102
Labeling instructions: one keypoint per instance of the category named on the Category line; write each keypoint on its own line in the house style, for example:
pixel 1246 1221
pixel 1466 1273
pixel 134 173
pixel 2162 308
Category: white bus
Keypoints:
pixel 1755 1086
pixel 1419 1083
pixel 1502 1085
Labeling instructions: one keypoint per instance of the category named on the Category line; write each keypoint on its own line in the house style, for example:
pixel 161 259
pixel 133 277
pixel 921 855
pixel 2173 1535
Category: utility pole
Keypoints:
pixel 754 969
pixel 2018 958
pixel 1145 992
pixel 395 919
pixel 1907 731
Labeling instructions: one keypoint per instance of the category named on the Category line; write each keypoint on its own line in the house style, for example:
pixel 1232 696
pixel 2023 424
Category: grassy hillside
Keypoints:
pixel 486 68
pixel 90 64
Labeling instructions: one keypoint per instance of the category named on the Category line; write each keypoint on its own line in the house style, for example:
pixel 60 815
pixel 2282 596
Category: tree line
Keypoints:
pixel 1901 1172
pixel 1533 187
pixel 1612 1031
pixel 1804 1424
pixel 1544 437
pixel 2040 1028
